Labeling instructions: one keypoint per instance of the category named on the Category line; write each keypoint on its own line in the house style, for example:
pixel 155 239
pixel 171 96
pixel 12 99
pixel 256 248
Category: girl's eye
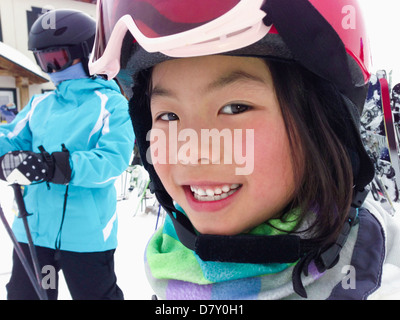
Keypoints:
pixel 234 108
pixel 168 116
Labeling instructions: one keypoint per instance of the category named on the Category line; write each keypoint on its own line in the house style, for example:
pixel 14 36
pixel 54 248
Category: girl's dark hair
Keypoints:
pixel 319 130
pixel 320 134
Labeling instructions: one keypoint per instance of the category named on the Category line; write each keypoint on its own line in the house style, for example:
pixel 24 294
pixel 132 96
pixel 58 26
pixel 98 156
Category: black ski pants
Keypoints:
pixel 89 276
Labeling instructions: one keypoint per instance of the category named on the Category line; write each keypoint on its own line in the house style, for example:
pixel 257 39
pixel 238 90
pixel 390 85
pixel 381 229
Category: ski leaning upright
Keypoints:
pixel 390 129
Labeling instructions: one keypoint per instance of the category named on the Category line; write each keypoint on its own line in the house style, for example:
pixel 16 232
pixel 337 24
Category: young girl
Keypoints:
pixel 281 83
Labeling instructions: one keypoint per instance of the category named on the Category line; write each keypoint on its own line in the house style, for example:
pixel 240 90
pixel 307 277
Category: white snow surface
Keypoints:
pixel 134 231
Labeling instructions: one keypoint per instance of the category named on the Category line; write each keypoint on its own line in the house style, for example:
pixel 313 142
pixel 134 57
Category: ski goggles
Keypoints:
pixel 55 59
pixel 177 28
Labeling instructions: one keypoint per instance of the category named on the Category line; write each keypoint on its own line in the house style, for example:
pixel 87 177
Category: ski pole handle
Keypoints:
pixel 20 200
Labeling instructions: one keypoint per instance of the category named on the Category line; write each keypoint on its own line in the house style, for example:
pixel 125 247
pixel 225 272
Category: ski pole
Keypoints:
pixel 23 214
pixel 39 290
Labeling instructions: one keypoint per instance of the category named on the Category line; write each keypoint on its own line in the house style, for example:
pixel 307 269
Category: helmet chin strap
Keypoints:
pixel 260 249
pixel 265 249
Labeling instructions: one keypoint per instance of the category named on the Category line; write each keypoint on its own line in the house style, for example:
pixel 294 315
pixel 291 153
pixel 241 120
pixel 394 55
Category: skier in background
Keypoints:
pixel 68 146
pixel 8 111
pixel 289 71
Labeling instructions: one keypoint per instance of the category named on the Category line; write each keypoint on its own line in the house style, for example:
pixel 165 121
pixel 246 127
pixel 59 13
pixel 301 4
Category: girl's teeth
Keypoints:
pixel 213 194
pixel 225 188
pixel 210 192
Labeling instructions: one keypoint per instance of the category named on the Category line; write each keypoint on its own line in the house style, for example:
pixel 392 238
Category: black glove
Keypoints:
pixel 27 167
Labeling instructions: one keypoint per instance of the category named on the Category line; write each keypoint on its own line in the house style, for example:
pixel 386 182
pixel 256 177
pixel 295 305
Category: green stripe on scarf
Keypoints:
pixel 168 258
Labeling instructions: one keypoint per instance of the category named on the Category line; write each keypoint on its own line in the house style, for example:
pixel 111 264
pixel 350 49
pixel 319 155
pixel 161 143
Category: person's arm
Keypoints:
pixel 102 165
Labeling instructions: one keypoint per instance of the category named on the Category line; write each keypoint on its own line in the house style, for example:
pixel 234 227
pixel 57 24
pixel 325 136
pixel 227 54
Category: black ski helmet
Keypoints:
pixel 64 28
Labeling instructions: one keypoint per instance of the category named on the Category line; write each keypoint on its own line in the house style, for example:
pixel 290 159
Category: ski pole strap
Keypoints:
pixel 57 244
pixel 49 161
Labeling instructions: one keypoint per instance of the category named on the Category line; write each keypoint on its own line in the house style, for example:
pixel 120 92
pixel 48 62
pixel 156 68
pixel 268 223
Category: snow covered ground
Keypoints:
pixel 134 232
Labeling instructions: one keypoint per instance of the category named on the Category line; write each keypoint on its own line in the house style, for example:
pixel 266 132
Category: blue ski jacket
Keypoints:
pixel 89 116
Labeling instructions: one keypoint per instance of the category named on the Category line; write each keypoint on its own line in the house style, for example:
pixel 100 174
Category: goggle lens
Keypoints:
pixel 57 59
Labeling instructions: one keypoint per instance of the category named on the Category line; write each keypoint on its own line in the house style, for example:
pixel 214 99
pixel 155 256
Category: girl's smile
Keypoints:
pixel 211 193
pixel 211 198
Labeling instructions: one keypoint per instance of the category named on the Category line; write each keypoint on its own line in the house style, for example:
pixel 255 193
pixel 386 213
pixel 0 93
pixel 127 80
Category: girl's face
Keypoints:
pixel 229 185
